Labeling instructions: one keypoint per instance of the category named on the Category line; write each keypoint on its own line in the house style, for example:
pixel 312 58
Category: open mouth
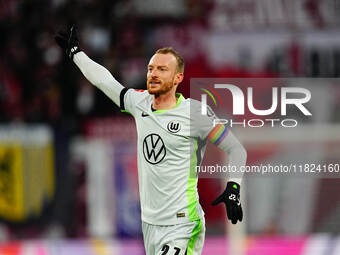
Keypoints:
pixel 154 83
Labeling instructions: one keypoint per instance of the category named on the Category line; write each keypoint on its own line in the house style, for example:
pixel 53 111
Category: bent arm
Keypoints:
pixel 236 153
pixel 99 76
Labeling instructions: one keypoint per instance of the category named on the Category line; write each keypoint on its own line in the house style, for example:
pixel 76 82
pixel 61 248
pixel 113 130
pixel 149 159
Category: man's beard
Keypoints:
pixel 163 88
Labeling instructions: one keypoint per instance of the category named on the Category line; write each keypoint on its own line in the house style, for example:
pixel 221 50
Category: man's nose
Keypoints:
pixel 154 74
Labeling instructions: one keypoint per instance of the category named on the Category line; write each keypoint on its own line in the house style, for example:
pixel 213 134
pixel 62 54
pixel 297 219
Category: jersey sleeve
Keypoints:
pixel 208 127
pixel 99 76
pixel 129 99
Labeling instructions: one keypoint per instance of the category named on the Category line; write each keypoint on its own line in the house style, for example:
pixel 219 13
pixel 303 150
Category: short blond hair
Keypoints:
pixel 180 61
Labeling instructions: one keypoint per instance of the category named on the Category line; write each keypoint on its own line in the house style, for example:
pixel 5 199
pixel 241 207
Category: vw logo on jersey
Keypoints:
pixel 153 149
pixel 174 126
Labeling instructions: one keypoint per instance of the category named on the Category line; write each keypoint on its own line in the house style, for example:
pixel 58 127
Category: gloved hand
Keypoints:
pixel 69 41
pixel 231 198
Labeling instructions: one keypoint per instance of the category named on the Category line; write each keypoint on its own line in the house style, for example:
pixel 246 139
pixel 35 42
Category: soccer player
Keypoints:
pixel 169 150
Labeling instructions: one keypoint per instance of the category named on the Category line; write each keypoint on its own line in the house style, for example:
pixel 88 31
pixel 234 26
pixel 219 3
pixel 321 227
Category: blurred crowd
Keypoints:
pixel 39 84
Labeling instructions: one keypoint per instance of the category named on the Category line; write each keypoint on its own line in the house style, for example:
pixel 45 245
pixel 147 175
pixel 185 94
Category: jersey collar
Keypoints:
pixel 179 100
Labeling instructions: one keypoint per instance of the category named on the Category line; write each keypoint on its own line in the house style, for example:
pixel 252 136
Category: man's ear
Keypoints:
pixel 179 78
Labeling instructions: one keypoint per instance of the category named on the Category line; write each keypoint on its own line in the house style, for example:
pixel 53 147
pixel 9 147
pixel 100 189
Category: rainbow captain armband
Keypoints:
pixel 217 134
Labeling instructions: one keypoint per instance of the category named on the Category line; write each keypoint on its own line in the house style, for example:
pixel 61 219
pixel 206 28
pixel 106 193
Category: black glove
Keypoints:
pixel 231 198
pixel 68 41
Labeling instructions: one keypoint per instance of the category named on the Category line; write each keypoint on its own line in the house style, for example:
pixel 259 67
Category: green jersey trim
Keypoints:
pixel 194 235
pixel 125 111
pixel 192 184
pixel 180 98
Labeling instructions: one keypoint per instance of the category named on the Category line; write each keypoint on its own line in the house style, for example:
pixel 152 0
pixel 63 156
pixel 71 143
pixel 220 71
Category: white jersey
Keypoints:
pixel 169 150
pixel 170 145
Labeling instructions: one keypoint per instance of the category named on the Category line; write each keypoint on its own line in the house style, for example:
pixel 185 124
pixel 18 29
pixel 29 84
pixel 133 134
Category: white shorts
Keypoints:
pixel 180 239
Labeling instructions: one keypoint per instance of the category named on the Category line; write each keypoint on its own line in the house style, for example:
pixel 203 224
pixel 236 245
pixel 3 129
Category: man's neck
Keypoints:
pixel 165 101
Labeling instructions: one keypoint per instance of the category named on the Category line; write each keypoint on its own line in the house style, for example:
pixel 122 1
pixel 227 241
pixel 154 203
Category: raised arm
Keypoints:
pixel 96 74
pixel 99 76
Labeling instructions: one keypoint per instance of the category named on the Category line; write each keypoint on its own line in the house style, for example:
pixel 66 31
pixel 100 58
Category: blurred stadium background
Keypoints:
pixel 68 175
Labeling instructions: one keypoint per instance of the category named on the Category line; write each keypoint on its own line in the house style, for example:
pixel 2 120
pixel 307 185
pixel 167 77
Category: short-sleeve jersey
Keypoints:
pixel 169 149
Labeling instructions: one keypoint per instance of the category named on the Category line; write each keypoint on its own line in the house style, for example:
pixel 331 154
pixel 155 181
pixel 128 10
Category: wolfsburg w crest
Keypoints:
pixel 174 126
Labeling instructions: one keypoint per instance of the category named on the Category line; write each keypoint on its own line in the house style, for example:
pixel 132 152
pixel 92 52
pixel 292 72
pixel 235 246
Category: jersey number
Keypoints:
pixel 166 248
